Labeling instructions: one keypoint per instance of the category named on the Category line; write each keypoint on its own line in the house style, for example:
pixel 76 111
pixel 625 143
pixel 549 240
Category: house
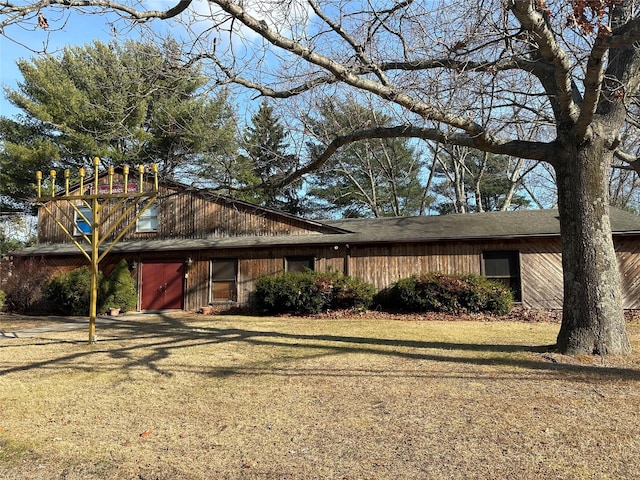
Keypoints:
pixel 194 248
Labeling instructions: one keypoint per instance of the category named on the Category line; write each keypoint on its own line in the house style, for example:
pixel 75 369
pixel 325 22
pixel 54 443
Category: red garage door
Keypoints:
pixel 162 285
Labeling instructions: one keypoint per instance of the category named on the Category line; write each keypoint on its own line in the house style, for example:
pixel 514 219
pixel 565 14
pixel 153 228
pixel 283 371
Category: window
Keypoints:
pixel 148 221
pixel 224 279
pixel 504 267
pixel 82 221
pixel 298 264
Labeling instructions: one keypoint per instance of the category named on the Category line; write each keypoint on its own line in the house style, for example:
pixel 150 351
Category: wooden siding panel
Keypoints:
pixel 384 265
pixel 541 274
pixel 628 251
pixel 183 215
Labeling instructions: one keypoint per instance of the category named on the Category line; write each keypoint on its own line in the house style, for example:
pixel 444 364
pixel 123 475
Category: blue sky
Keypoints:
pixel 27 40
pixel 73 27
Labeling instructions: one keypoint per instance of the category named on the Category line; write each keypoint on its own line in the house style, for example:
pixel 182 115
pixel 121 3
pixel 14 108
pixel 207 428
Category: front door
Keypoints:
pixel 162 285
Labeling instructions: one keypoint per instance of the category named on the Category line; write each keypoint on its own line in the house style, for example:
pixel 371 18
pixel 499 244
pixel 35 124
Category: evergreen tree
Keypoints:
pixel 374 177
pixel 265 156
pixel 130 103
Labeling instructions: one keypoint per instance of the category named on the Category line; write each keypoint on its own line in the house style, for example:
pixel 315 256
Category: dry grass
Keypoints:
pixel 270 398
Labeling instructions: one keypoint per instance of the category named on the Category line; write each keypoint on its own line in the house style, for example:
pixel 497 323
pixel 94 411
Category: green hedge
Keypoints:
pixel 68 294
pixel 437 292
pixel 311 292
pixel 118 290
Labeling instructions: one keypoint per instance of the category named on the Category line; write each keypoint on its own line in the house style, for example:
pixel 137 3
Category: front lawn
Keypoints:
pixel 180 397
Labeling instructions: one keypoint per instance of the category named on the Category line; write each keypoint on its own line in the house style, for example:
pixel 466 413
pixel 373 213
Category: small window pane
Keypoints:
pixel 497 267
pixel 83 226
pixel 148 221
pixel 224 269
pixel 299 264
pixel 501 264
pixel 223 291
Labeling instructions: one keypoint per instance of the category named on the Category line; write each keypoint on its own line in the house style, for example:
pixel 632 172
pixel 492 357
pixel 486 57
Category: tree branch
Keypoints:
pixel 633 162
pixel 534 21
pixel 14 11
pixel 524 149
pixel 592 88
pixel 357 48
pixel 605 91
pixel 347 75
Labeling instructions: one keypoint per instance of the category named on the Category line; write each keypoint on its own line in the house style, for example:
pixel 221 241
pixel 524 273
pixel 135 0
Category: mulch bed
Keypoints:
pixel 518 314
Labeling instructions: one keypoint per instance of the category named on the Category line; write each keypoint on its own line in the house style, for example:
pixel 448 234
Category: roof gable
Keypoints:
pixel 230 202
pixel 183 213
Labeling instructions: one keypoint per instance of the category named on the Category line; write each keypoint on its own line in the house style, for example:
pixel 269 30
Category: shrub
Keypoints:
pixel 24 288
pixel 311 292
pixel 484 295
pixel 437 292
pixel 3 297
pixel 118 290
pixel 68 294
pixel 295 292
pixel 352 292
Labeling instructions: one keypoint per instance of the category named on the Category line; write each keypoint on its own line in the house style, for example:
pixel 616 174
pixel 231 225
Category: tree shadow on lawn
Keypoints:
pixel 171 334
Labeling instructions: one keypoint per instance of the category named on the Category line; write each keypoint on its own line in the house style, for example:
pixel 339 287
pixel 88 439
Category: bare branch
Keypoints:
pixel 14 12
pixel 592 88
pixel 524 149
pixel 533 20
pixel 633 162
pixel 359 49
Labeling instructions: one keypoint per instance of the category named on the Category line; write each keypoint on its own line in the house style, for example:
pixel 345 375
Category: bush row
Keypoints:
pixel 28 291
pixel 295 292
pixel 313 292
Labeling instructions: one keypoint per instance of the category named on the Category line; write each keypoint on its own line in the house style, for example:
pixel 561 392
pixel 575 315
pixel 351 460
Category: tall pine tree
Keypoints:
pixel 130 103
pixel 265 156
pixel 374 177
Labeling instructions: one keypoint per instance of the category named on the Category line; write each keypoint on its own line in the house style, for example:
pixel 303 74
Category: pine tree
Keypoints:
pixel 374 177
pixel 266 156
pixel 130 103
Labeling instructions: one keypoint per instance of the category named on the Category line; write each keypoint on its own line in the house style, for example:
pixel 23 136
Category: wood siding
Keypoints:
pixel 628 250
pixel 381 265
pixel 184 215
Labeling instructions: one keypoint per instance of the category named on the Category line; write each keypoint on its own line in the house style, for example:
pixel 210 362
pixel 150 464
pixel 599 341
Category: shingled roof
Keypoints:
pixel 457 227
pixel 521 223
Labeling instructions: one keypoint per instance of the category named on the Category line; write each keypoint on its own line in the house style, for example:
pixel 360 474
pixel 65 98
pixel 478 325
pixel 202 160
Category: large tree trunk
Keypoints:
pixel 592 319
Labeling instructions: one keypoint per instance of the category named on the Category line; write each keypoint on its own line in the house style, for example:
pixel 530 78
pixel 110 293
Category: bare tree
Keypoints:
pixel 473 181
pixel 451 71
